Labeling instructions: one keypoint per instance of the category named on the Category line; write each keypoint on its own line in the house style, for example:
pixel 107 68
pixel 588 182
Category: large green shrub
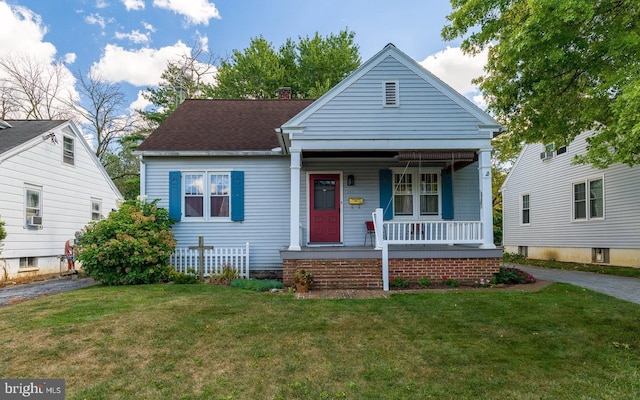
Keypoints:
pixel 132 246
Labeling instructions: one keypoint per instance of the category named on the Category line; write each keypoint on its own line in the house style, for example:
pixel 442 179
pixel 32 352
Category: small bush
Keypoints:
pixel 184 279
pixel 398 282
pixel 513 258
pixel 450 282
pixel 424 282
pixel 510 276
pixel 257 285
pixel 228 274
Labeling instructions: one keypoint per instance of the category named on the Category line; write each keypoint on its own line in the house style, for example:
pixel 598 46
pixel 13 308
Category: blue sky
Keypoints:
pixel 130 41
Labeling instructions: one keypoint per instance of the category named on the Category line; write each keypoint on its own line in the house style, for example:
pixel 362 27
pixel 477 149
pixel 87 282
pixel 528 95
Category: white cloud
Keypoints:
pixel 142 67
pixel 70 58
pixel 140 103
pixel 195 11
pixel 135 36
pixel 458 70
pixel 22 36
pixel 133 4
pixel 22 31
pixel 102 4
pixel 95 19
pixel 148 26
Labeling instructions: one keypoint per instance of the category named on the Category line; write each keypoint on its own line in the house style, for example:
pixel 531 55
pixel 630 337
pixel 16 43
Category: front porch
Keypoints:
pixel 361 267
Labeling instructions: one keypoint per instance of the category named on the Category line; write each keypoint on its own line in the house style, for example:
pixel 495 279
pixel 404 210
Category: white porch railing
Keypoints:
pixel 214 260
pixel 433 232
pixel 421 232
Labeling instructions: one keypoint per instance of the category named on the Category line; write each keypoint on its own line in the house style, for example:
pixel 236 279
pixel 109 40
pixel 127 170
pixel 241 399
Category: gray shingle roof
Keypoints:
pixel 22 131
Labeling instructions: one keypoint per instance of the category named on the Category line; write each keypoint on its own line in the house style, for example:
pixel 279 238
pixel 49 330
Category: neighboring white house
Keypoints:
pixel 298 179
pixel 51 185
pixel 553 209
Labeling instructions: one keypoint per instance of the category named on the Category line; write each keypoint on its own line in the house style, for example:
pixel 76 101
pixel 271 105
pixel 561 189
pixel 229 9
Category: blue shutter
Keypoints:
pixel 237 195
pixel 386 193
pixel 175 195
pixel 447 194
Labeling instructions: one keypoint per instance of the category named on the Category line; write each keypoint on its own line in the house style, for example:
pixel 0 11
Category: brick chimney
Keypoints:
pixel 284 93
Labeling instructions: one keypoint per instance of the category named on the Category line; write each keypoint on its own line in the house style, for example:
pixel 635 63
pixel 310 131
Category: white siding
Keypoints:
pixel 549 184
pixel 67 191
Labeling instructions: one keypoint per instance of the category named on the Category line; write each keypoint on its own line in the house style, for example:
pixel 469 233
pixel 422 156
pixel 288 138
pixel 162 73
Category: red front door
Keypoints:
pixel 324 208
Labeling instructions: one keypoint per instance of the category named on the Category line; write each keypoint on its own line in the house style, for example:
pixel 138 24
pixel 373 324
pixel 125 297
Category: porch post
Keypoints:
pixel 294 228
pixel 486 203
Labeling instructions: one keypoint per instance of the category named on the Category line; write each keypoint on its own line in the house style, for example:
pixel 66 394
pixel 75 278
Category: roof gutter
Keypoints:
pixel 203 153
pixel 282 140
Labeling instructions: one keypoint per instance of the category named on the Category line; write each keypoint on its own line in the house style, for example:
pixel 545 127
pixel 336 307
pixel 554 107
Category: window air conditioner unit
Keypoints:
pixel 545 155
pixel 34 221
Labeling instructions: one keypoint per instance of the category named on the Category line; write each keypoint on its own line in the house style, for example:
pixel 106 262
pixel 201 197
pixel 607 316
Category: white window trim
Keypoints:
pixel 522 223
pixel 588 216
pixel 96 201
pixel 34 188
pixel 206 206
pixel 416 193
pixel 73 142
pixel 397 94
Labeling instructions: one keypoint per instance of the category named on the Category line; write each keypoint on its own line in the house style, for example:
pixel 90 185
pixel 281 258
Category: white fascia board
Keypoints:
pixel 152 153
pixel 80 137
pixel 393 144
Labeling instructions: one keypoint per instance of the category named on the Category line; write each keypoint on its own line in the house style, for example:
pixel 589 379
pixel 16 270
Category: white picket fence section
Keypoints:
pixel 214 260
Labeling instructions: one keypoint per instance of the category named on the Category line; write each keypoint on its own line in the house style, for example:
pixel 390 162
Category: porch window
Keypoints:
pixel 416 200
pixel 219 192
pixel 524 206
pixel 588 199
pixel 429 194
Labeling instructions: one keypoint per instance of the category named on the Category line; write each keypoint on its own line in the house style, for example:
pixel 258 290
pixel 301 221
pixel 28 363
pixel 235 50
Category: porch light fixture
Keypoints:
pixel 351 181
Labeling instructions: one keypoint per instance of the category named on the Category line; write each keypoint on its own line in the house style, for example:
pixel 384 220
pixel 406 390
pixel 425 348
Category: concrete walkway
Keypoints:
pixel 616 286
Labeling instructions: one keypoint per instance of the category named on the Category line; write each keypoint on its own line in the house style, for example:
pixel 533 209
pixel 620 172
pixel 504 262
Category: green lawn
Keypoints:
pixel 211 342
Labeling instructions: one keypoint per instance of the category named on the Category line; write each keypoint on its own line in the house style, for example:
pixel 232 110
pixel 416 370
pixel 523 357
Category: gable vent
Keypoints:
pixel 391 94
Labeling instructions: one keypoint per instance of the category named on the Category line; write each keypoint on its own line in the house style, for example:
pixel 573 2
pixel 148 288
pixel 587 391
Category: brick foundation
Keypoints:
pixel 367 273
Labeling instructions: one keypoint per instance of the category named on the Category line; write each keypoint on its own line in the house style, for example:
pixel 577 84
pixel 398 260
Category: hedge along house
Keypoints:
pixel 299 179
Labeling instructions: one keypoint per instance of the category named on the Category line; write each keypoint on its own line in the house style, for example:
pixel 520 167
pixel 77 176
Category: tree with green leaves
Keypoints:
pixel 310 67
pixel 190 77
pixel 558 68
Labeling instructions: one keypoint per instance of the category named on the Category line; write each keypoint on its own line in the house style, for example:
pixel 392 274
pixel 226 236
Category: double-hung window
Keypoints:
pixel 416 193
pixel 32 202
pixel 96 209
pixel 588 199
pixel 206 194
pixel 68 150
pixel 525 209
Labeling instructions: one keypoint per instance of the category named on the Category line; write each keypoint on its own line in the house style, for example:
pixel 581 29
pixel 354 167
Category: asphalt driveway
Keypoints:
pixel 616 286
pixel 16 293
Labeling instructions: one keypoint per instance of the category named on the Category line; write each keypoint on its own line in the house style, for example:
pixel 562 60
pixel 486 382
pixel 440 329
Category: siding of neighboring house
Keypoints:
pixel 67 192
pixel 552 232
pixel 424 112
